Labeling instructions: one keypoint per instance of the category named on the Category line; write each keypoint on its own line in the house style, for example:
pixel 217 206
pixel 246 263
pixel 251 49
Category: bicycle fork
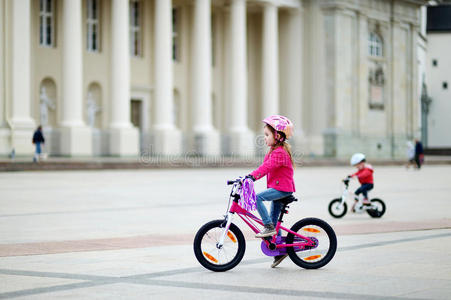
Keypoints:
pixel 228 221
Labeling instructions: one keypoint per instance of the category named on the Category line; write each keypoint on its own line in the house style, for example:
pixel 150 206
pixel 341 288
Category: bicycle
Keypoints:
pixel 219 245
pixel 338 206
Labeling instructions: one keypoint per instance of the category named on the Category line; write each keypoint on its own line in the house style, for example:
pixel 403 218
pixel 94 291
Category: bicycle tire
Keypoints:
pixel 206 258
pixel 333 204
pixel 309 258
pixel 377 213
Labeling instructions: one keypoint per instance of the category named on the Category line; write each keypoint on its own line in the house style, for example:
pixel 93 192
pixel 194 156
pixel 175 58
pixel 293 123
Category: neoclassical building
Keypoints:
pixel 116 77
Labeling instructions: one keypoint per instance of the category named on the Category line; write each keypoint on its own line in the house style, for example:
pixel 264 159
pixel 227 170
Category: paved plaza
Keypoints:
pixel 127 234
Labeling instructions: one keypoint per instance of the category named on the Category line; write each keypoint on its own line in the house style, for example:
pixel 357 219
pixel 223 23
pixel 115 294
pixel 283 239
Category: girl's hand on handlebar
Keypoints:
pixel 250 177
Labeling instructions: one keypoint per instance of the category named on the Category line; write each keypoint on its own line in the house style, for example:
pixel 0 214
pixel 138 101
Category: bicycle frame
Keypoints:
pixel 359 206
pixel 249 218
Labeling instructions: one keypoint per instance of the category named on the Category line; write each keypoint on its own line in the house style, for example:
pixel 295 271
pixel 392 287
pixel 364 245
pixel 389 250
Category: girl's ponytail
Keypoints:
pixel 287 148
pixel 281 143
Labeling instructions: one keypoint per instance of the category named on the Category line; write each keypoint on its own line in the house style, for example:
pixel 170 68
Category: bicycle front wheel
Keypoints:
pixel 318 255
pixel 337 209
pixel 214 258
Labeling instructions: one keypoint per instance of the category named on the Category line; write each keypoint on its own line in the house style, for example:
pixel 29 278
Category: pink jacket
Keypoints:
pixel 279 170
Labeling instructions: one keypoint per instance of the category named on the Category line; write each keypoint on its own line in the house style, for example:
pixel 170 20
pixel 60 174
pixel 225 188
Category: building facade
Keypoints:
pixel 120 77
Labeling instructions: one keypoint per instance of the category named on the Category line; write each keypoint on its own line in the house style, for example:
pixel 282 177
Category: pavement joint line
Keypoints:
pixel 384 243
pixel 93 280
pixel 265 291
pixel 51 289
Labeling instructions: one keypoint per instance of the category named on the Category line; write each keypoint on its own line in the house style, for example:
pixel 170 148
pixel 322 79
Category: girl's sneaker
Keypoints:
pixel 278 259
pixel 366 202
pixel 268 230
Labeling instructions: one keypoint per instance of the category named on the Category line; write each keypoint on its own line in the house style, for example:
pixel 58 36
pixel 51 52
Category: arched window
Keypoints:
pixel 47 103
pixel 177 110
pixel 93 106
pixel 375 45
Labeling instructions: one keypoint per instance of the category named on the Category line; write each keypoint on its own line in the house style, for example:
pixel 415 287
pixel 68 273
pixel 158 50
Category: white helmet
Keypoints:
pixel 357 158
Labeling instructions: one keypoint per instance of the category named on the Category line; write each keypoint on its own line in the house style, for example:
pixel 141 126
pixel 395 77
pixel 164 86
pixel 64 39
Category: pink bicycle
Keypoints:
pixel 219 245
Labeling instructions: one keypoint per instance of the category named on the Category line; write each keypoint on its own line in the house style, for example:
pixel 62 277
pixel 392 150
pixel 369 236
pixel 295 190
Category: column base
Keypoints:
pixel 207 143
pixel 124 141
pixel 21 136
pixel 21 141
pixel 241 143
pixel 315 145
pixel 5 147
pixel 167 142
pixel 299 145
pixel 76 141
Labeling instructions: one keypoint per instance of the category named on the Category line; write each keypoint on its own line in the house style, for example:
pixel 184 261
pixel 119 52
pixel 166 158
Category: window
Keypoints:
pixel 445 85
pixel 46 28
pixel 374 45
pixel 92 22
pixel 434 62
pixel 175 35
pixel 135 28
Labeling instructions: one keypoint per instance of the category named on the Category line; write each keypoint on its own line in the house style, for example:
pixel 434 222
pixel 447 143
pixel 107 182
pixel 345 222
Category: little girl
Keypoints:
pixel 278 167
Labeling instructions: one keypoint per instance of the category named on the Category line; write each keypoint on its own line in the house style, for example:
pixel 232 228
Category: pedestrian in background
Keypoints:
pixel 419 153
pixel 38 140
pixel 410 155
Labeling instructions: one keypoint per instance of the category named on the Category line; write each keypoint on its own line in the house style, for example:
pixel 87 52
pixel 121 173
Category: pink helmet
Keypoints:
pixel 280 123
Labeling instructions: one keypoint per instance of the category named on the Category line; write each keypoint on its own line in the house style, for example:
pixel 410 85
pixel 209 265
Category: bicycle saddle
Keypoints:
pixel 287 199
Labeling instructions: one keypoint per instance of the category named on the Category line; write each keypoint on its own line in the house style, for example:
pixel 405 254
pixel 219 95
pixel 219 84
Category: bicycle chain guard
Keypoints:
pixel 283 251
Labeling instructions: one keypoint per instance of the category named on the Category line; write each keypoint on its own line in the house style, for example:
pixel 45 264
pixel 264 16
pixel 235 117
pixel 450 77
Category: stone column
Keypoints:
pixel 124 138
pixel 167 137
pixel 4 131
pixel 240 137
pixel 270 63
pixel 400 76
pixel 294 78
pixel 75 135
pixel 206 138
pixel 22 125
pixel 340 80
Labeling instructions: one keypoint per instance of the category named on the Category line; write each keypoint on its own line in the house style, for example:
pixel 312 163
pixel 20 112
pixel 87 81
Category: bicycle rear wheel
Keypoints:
pixel 319 255
pixel 210 255
pixel 377 209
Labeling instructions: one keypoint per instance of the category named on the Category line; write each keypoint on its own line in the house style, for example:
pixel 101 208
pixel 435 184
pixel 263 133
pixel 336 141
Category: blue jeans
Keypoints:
pixel 38 148
pixel 364 188
pixel 270 195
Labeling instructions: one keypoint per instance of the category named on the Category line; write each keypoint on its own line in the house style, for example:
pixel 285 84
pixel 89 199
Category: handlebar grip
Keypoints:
pixel 229 182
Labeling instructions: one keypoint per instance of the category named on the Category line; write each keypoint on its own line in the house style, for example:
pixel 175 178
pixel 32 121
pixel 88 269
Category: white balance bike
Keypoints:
pixel 338 206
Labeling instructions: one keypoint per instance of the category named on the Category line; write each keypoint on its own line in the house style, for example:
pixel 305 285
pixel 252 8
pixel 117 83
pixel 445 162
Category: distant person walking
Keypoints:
pixel 38 139
pixel 410 155
pixel 419 153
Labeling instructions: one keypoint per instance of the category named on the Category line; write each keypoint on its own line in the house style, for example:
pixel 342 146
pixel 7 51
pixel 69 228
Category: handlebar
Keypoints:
pixel 230 182
pixel 346 180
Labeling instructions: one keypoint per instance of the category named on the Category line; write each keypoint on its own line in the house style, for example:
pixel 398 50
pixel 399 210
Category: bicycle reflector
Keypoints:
pixel 312 257
pixel 312 230
pixel 230 235
pixel 210 257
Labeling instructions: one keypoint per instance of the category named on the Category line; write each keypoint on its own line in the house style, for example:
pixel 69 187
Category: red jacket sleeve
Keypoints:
pixel 274 160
